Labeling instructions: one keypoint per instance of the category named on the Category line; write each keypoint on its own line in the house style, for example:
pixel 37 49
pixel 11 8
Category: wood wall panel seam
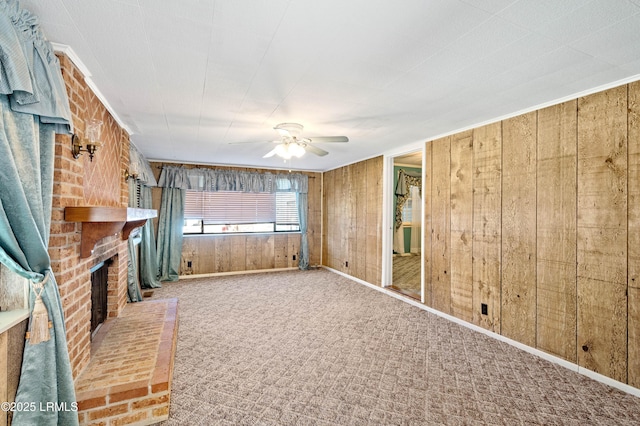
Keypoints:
pixel 462 226
pixel 602 238
pixel 556 215
pixel 518 228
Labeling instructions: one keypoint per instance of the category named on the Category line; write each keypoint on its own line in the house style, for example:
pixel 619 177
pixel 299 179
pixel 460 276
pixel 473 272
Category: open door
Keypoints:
pixel 405 226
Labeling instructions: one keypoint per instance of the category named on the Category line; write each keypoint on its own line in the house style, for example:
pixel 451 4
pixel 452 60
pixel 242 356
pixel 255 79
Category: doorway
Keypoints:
pixel 406 228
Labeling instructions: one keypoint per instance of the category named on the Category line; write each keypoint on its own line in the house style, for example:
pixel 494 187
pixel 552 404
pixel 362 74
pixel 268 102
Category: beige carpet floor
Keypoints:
pixel 314 348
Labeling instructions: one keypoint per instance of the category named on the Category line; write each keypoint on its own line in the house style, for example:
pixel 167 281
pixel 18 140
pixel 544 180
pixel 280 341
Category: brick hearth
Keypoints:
pixel 128 380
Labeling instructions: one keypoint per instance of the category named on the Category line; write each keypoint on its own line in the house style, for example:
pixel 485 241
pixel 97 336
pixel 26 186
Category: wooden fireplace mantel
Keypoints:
pixel 100 222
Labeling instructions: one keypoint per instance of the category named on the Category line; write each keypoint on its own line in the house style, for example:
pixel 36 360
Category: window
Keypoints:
pixel 226 212
pixel 407 210
pixel 137 196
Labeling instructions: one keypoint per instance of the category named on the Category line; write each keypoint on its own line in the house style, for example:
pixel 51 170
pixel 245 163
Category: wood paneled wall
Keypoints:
pixel 538 217
pixel 602 232
pixel 352 220
pixel 556 235
pixel 440 225
pixel 461 225
pixel 207 254
pixel 633 272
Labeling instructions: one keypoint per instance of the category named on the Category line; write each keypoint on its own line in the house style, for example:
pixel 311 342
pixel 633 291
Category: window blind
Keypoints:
pixel 224 207
pixel 286 208
pixel 138 194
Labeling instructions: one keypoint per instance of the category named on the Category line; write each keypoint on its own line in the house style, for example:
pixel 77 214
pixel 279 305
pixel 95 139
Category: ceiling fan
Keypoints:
pixel 291 144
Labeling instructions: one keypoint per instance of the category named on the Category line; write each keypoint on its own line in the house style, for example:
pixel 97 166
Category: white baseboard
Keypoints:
pixel 537 352
pixel 222 274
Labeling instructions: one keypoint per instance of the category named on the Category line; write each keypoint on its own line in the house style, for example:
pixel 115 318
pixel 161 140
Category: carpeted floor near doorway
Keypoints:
pixel 314 348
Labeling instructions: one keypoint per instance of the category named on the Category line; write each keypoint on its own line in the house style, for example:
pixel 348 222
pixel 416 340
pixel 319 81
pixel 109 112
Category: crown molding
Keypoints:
pixel 537 107
pixel 71 54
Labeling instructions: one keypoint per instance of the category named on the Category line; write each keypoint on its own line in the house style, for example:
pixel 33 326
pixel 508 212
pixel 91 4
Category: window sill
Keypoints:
pixel 230 234
pixel 10 318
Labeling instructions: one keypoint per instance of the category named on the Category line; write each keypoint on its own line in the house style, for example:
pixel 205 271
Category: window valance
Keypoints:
pixel 139 166
pixel 406 179
pixel 212 180
pixel 30 72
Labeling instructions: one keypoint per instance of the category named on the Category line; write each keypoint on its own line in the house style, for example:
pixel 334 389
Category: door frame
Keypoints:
pixel 388 215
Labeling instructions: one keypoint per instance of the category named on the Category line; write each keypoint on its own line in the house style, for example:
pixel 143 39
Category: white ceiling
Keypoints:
pixel 187 77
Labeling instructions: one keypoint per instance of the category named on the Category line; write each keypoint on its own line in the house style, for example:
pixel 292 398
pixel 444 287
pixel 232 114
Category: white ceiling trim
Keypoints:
pixel 416 145
pixel 67 50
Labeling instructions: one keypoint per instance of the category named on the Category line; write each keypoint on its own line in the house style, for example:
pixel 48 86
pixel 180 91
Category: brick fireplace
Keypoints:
pixel 99 284
pixel 81 182
pixel 138 392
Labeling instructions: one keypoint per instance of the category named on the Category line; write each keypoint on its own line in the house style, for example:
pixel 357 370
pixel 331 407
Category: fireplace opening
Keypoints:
pixel 99 280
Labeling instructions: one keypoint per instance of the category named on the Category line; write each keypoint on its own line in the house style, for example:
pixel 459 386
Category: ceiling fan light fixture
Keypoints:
pixel 296 150
pixel 288 150
pixel 291 144
pixel 282 150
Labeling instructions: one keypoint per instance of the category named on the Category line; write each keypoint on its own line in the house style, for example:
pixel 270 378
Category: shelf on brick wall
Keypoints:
pixel 100 222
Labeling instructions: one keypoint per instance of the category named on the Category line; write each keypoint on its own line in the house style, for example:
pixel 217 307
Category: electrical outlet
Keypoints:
pixel 294 257
pixel 188 264
pixel 346 263
pixel 484 308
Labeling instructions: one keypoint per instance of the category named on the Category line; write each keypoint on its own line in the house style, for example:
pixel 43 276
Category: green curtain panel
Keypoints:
pixel 33 107
pixel 142 269
pixel 26 173
pixel 148 252
pixel 170 225
pixel 173 180
pixel 143 182
pixel 133 283
pixel 303 261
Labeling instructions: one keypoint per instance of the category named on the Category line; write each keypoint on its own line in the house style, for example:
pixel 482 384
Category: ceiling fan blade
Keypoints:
pixel 329 139
pixel 270 153
pixel 315 150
